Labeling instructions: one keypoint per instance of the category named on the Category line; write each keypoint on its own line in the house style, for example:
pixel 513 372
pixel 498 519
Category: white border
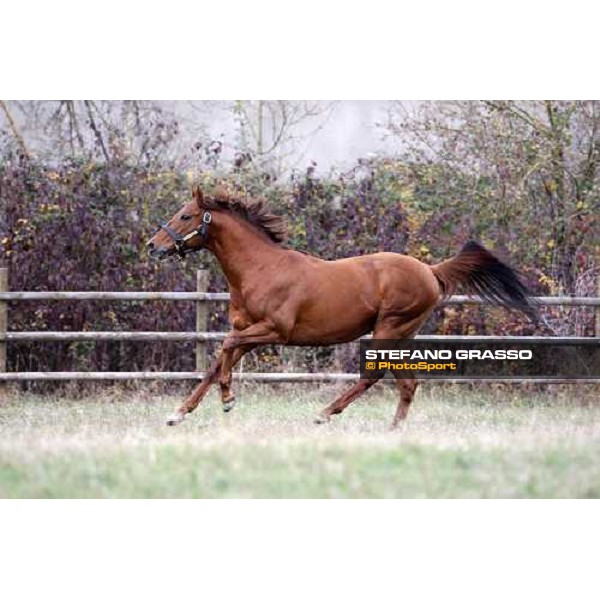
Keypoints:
pixel 309 50
pixel 296 549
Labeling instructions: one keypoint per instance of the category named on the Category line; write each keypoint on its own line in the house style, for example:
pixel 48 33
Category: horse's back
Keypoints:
pixel 397 272
pixel 344 298
pixel 381 272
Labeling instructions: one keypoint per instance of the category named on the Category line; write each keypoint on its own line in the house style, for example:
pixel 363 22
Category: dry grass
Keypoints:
pixel 503 442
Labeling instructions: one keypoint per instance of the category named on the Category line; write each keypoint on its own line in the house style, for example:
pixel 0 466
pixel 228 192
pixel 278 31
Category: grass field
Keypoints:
pixel 506 442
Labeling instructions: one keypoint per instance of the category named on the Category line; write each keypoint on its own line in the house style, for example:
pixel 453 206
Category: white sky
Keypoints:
pixel 336 138
pixel 348 133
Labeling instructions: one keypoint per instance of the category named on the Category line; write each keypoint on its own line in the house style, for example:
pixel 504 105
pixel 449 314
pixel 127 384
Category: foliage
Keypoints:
pixel 518 170
pixel 83 226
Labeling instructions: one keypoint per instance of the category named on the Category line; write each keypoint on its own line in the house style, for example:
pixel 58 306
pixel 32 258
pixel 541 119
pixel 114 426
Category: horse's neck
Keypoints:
pixel 242 251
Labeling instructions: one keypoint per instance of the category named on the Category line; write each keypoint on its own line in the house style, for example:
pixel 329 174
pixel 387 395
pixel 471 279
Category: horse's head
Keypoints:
pixel 186 232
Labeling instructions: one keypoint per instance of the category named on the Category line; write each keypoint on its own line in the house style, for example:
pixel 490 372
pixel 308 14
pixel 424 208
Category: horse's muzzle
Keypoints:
pixel 157 253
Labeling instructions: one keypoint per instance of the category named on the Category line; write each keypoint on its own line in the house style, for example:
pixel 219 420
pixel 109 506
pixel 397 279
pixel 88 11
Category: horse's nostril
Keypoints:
pixel 151 245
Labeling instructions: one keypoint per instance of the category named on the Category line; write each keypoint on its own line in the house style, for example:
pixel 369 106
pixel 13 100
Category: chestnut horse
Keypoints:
pixel 281 296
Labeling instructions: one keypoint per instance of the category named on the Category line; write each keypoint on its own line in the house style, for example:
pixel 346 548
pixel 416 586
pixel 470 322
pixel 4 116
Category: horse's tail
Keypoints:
pixel 479 272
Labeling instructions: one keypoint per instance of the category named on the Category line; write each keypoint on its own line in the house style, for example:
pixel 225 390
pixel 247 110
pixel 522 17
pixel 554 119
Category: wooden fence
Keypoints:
pixel 201 336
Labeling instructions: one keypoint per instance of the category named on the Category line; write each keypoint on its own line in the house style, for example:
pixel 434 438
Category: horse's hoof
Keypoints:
pixel 321 419
pixel 229 404
pixel 175 419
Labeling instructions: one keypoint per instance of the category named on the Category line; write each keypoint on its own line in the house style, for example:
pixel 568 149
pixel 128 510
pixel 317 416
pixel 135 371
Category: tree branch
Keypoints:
pixel 14 129
pixel 88 106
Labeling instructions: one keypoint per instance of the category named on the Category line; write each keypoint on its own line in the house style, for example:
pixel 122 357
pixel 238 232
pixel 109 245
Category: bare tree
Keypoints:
pixel 135 131
pixel 13 127
pixel 271 131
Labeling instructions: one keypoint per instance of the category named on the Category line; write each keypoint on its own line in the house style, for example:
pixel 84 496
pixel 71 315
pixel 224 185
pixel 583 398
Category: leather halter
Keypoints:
pixel 181 247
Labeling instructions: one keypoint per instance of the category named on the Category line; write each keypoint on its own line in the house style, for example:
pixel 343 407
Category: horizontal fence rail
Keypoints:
pixel 224 296
pixel 205 336
pixel 264 377
pixel 201 337
pixel 128 296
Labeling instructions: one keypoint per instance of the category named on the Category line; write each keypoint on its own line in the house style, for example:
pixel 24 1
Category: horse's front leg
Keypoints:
pixel 199 392
pixel 230 359
pixel 237 344
pixel 256 334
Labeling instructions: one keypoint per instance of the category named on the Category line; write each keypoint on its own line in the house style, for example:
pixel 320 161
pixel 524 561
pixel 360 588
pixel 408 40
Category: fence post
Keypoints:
pixel 201 319
pixel 3 323
pixel 597 309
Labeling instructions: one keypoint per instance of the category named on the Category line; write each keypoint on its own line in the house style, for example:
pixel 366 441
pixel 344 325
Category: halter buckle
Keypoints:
pixel 206 219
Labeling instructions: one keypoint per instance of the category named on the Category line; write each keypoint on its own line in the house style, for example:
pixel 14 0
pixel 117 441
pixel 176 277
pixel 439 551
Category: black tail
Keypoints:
pixel 480 273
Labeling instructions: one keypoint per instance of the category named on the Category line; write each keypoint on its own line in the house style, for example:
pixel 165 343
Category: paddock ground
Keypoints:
pixel 488 442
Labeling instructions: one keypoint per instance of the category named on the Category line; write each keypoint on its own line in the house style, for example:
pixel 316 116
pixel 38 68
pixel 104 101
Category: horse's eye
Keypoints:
pixel 186 217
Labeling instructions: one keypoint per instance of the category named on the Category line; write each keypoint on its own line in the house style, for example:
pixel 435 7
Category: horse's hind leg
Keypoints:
pixel 405 383
pixel 406 390
pixel 345 399
pixel 387 329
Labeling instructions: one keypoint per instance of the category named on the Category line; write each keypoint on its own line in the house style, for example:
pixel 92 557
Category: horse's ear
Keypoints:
pixel 198 196
pixel 222 193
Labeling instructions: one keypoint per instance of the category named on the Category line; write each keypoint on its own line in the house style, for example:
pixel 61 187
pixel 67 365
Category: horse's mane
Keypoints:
pixel 255 211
